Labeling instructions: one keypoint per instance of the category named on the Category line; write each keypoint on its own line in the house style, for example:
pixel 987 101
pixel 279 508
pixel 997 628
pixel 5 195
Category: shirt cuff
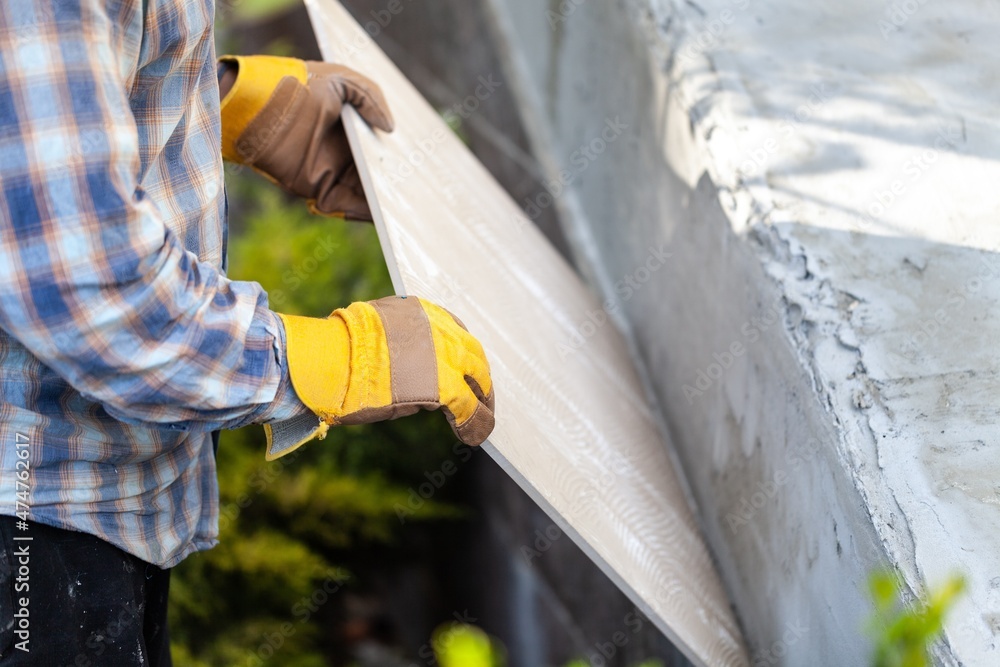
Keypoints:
pixel 286 403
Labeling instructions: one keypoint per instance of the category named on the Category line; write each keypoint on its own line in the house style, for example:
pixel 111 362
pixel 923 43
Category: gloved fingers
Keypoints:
pixel 441 316
pixel 356 204
pixel 465 386
pixel 486 398
pixel 472 362
pixel 467 390
pixel 476 369
pixel 455 317
pixel 328 177
pixel 365 95
pixel 463 351
pixel 345 199
pixel 471 419
pixel 360 92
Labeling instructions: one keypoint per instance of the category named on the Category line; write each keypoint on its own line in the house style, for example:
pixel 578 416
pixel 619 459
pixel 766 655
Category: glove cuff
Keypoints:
pixel 256 79
pixel 380 360
pixel 331 375
pixel 318 354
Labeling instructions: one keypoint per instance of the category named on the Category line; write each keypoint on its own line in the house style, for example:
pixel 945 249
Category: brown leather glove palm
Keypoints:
pixel 282 118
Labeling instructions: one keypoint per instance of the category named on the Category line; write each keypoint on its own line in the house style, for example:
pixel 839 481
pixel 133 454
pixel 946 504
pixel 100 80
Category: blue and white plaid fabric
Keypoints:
pixel 123 344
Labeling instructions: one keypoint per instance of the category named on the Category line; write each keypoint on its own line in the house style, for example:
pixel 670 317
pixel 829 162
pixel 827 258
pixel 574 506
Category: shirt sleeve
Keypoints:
pixel 92 282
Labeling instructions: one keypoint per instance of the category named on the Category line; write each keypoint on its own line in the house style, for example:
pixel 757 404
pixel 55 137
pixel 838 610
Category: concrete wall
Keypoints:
pixel 752 435
pixel 804 360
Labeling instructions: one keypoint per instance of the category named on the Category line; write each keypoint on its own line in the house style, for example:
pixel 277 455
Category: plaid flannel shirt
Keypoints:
pixel 122 343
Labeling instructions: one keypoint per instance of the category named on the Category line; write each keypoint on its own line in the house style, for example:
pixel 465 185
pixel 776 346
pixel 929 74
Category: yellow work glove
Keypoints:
pixel 281 116
pixel 379 360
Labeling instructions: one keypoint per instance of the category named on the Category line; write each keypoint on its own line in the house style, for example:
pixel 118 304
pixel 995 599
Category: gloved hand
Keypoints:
pixel 384 359
pixel 282 117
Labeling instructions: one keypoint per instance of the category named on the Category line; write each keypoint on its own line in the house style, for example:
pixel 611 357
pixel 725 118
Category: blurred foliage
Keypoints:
pixel 308 264
pixel 234 17
pixel 254 10
pixel 904 635
pixel 295 531
pixel 464 645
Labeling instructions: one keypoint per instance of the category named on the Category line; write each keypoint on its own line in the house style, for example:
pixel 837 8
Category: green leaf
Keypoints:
pixel 461 645
pixel 903 635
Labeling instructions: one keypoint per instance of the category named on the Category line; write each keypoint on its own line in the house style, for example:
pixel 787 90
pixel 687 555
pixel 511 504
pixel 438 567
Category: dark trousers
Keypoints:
pixel 89 603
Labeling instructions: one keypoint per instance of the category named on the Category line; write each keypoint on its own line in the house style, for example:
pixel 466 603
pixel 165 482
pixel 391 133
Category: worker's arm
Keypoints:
pixel 92 282
pixel 281 116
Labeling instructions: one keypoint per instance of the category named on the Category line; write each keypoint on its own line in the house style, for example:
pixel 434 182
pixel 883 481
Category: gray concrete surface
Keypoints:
pixel 823 341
